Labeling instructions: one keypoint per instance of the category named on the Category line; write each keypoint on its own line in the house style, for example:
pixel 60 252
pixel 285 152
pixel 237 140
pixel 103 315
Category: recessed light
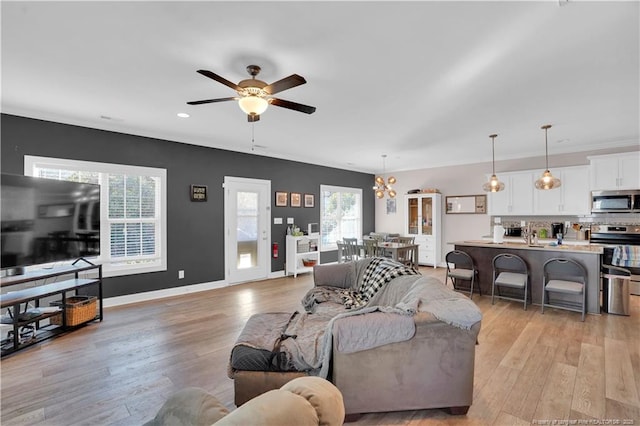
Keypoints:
pixel 183 115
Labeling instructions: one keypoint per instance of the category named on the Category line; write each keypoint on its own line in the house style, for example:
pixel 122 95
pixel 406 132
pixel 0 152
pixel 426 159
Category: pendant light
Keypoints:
pixel 494 185
pixel 380 187
pixel 547 181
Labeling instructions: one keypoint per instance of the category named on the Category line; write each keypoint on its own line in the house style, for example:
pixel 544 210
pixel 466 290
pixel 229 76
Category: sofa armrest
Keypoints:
pixel 334 274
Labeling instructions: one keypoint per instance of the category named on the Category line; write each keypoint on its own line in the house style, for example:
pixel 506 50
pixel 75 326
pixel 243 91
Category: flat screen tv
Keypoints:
pixel 46 220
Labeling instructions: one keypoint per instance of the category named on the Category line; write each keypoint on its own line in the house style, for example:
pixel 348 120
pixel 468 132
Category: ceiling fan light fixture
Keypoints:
pixel 253 105
pixel 494 185
pixel 547 180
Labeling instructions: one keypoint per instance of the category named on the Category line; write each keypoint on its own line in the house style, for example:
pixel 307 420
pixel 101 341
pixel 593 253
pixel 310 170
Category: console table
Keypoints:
pixel 14 299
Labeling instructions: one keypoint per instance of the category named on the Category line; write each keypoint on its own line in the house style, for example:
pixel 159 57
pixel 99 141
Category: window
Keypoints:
pixel 340 215
pixel 132 210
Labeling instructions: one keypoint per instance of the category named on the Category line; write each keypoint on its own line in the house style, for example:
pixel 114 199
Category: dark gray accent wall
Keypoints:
pixel 195 237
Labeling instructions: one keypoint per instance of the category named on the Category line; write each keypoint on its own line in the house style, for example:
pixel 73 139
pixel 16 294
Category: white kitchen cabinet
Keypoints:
pixel 423 221
pixel 300 250
pixel 517 196
pixel 572 198
pixel 615 171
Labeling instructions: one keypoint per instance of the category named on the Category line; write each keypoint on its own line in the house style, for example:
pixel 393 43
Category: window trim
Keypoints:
pixel 340 189
pixel 114 269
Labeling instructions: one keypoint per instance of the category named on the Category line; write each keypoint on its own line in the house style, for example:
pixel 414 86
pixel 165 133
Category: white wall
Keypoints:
pixel 465 180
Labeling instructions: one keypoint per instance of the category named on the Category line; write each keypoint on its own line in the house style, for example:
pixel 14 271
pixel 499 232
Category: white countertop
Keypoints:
pixel 518 243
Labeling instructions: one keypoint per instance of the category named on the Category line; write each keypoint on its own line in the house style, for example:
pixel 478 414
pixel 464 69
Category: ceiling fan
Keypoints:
pixel 254 96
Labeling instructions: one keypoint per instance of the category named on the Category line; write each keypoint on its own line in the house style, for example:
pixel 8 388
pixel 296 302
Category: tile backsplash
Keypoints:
pixel 585 222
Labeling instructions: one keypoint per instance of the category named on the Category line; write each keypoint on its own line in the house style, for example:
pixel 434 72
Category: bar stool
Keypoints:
pixel 510 270
pixel 565 277
pixel 464 270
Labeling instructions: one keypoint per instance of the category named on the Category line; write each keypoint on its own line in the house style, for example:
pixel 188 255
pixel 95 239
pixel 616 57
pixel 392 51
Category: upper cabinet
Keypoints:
pixel 517 196
pixel 572 198
pixel 615 171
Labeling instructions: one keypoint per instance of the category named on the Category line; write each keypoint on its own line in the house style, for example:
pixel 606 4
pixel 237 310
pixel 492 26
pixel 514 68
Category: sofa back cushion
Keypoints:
pixel 334 275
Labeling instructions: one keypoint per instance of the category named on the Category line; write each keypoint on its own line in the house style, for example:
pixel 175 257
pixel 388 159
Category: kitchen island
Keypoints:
pixel 588 255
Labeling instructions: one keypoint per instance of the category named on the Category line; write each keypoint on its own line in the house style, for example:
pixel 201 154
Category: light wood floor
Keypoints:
pixel 530 368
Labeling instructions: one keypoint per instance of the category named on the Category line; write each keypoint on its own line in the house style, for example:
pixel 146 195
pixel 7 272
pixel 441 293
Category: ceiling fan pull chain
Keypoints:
pixel 253 127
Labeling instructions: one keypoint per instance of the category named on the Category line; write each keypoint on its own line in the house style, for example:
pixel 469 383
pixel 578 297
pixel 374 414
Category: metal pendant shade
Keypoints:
pixel 494 185
pixel 547 180
pixel 381 187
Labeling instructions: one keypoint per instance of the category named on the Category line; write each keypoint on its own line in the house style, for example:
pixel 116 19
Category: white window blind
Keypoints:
pixel 340 215
pixel 133 210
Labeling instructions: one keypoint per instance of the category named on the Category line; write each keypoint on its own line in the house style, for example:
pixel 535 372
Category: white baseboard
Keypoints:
pixel 159 294
pixel 175 291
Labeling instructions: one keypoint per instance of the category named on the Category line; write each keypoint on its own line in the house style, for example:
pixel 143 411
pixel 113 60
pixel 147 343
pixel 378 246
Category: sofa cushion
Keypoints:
pixel 334 275
pixel 189 407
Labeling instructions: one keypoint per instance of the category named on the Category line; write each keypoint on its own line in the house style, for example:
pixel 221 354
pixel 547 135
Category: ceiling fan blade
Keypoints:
pixel 219 79
pixel 209 101
pixel 253 118
pixel 286 83
pixel 292 105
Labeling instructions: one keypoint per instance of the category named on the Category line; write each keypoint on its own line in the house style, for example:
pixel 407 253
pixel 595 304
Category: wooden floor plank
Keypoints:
pixel 120 371
pixel 619 374
pixel 589 391
pixel 555 400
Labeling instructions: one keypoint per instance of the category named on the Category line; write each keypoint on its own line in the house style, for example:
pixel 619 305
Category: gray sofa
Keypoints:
pixel 430 366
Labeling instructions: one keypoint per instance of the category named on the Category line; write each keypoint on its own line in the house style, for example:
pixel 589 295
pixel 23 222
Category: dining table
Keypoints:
pixel 389 247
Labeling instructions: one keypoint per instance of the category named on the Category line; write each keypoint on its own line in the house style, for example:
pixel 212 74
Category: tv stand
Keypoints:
pixel 13 300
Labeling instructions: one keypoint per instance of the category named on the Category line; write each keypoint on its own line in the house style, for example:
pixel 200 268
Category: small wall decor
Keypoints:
pixel 459 204
pixel 391 206
pixel 296 199
pixel 198 192
pixel 309 200
pixel 281 199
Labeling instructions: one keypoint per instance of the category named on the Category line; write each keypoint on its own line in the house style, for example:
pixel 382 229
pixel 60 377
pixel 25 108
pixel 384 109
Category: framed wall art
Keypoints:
pixel 309 200
pixel 282 199
pixel 296 199
pixel 198 192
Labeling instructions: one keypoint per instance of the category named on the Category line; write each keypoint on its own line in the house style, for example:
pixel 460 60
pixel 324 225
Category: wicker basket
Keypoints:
pixel 309 262
pixel 79 309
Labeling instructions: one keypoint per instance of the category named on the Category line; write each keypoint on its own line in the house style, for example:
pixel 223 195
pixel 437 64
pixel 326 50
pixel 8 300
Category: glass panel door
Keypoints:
pixel 247 236
pixel 247 229
pixel 413 217
pixel 427 216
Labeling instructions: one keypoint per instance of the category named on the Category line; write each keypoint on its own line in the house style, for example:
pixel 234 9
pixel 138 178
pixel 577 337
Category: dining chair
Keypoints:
pixel 406 256
pixel 407 240
pixel 510 271
pixel 371 248
pixel 351 248
pixel 568 279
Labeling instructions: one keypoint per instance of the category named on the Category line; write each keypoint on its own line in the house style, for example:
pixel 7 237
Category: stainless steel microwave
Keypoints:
pixel 615 201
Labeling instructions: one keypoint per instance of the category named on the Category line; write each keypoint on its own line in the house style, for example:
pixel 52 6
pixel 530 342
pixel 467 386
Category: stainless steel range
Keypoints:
pixel 612 236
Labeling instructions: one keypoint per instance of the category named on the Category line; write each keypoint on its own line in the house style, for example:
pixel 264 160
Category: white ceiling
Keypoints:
pixel 424 82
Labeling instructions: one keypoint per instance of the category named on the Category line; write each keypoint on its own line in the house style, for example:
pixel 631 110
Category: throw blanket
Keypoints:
pixel 375 276
pixel 626 256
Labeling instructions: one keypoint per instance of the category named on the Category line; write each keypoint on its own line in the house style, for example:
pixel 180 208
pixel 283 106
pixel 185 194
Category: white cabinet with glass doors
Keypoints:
pixel 423 221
